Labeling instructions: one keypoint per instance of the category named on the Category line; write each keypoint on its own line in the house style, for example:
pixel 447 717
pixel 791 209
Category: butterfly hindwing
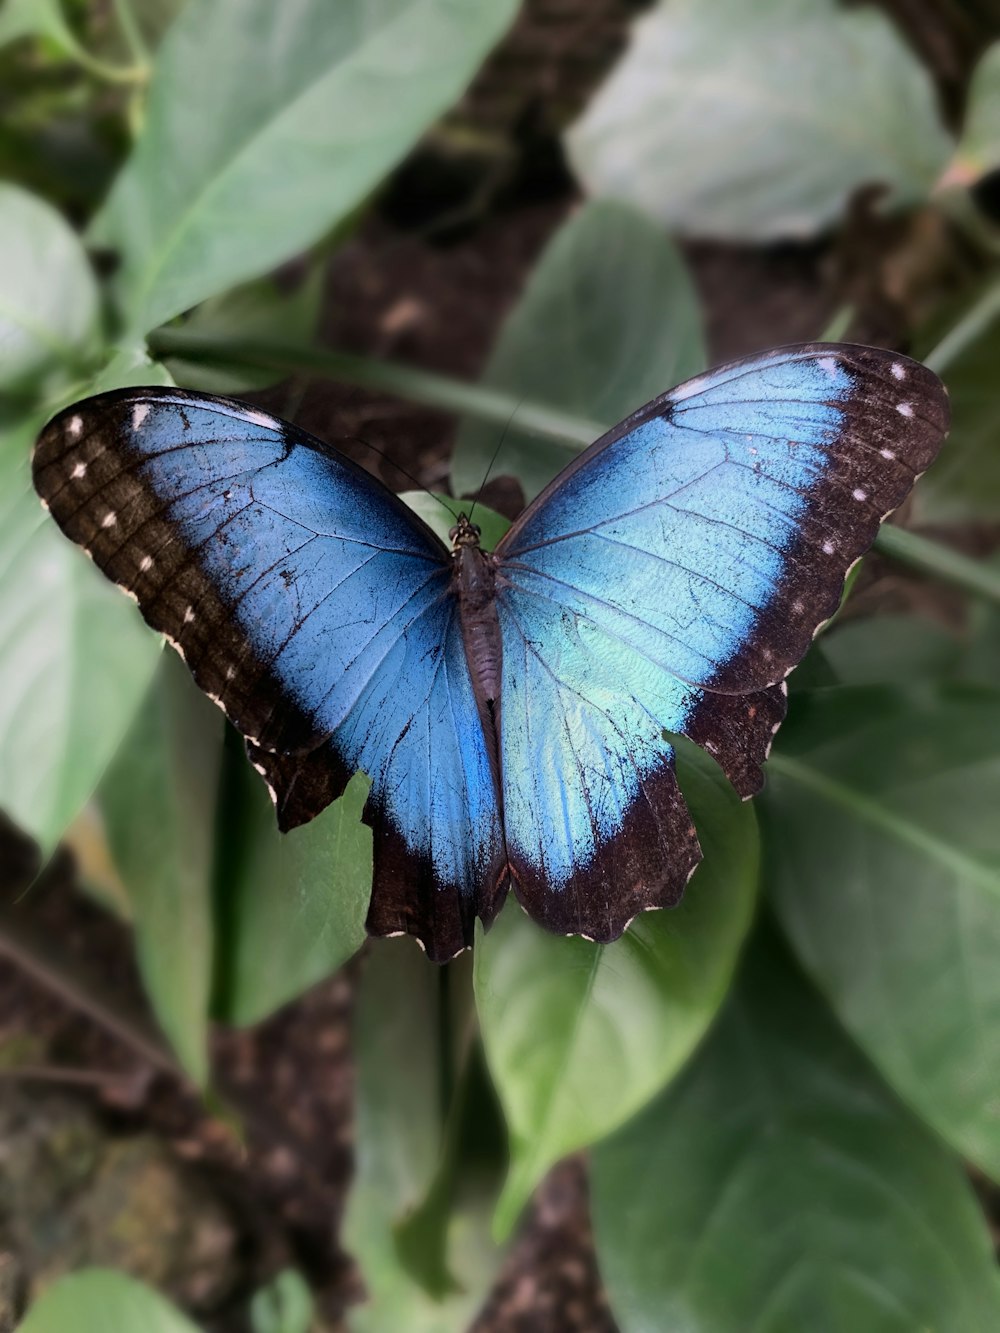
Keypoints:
pixel 313 606
pixel 666 582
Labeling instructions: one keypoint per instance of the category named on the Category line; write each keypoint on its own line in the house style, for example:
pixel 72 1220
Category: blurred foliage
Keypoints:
pixel 764 1171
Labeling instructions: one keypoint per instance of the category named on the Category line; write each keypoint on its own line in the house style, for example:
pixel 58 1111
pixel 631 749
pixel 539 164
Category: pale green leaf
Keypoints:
pixel 260 309
pixel 295 903
pixel 750 122
pixel 98 1300
pixel 609 320
pixel 48 297
pixel 400 1128
pixel 978 150
pixel 285 1305
pixel 883 862
pixel 158 799
pixel 302 109
pixel 778 1187
pixel 579 1036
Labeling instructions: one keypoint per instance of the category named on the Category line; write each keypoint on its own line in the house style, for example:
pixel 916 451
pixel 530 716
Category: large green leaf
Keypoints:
pixel 609 320
pixel 294 903
pixel 400 1133
pixel 48 297
pixel 779 1187
pixel 964 482
pixel 75 657
pixel 749 122
pixel 301 109
pixel 578 1035
pixel 101 1301
pixel 285 1305
pixel 978 150
pixel 158 799
pixel 260 309
pixel 883 861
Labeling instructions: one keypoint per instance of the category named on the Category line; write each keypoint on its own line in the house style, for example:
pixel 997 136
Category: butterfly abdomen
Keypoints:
pixel 475 583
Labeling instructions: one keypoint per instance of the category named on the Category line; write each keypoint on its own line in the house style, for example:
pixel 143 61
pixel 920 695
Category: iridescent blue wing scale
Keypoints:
pixel 666 583
pixel 314 608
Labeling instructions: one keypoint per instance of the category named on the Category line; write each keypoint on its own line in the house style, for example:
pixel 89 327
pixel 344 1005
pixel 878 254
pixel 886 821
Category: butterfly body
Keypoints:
pixel 475 589
pixel 513 709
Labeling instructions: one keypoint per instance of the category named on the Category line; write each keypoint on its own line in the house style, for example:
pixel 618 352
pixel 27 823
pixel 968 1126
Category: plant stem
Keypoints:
pixel 419 386
pixel 501 407
pixel 930 557
pixel 132 33
pixel 971 326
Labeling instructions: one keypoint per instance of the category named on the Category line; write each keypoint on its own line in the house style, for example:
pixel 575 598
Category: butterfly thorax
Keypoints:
pixel 474 583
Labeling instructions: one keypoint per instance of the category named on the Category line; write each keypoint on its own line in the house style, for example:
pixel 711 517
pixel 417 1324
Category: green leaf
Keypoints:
pixel 978 150
pixel 883 862
pixel 579 1036
pixel 75 659
pixel 439 512
pixel 158 799
pixel 294 903
pixel 301 111
pixel 609 320
pixel 257 309
pixel 400 1131
pixel 964 482
pixel 890 649
pixel 98 1300
pixel 778 1187
pixel 48 297
pixel 285 1305
pixel 752 122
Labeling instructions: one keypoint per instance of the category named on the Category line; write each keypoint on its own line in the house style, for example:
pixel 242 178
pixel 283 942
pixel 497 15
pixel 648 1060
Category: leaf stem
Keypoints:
pixel 419 386
pixel 501 407
pixel 971 326
pixel 930 557
pixel 132 33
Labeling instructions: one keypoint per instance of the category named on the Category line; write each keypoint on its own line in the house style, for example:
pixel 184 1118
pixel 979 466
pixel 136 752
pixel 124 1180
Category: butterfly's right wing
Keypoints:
pixel 315 609
pixel 665 583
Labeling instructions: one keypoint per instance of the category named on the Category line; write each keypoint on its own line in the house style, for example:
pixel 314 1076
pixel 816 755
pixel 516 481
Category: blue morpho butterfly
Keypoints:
pixel 513 709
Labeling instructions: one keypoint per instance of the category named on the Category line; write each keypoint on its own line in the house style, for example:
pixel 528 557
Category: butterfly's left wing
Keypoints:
pixel 314 608
pixel 666 582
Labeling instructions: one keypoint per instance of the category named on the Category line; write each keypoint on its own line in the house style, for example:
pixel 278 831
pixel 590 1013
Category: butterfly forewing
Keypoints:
pixel 313 606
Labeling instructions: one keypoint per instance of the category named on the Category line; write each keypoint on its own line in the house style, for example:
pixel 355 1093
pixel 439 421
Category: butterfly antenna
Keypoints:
pixel 359 439
pixel 496 455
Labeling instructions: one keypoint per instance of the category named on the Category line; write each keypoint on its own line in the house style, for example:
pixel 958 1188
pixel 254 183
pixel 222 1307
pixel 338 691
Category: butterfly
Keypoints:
pixel 515 709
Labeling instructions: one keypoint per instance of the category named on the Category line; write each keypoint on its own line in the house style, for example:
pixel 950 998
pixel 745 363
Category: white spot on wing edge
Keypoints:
pixel 828 548
pixel 859 494
pixel 145 564
pixel 259 418
pixel 110 519
pixel 905 409
pixel 829 364
pixel 189 615
pixel 74 427
pixel 887 453
pixel 139 414
pixel 688 390
pixel 79 471
pixel 898 371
